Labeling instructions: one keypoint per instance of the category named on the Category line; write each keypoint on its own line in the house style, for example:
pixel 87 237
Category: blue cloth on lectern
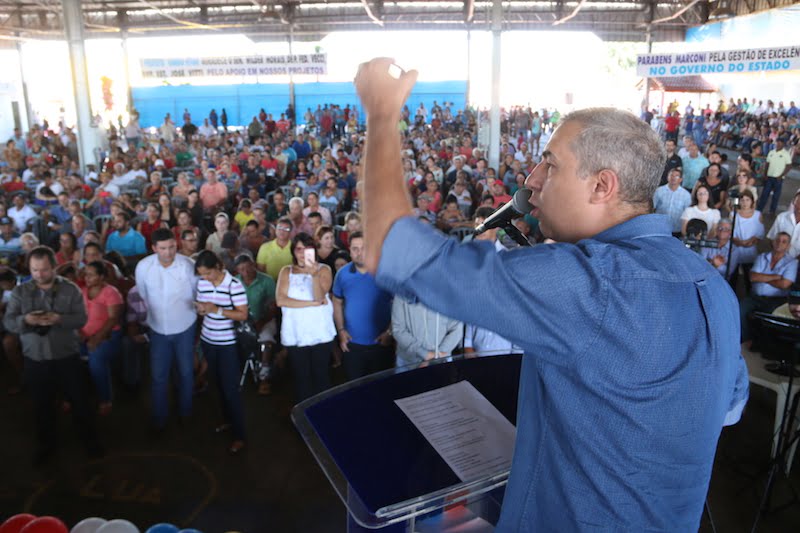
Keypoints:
pixel 632 367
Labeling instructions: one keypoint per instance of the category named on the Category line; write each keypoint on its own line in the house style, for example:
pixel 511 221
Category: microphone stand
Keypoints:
pixel 512 231
pixel 735 204
pixel 788 435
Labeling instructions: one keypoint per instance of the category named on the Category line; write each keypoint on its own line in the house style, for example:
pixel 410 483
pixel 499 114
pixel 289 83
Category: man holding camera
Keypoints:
pixel 46 312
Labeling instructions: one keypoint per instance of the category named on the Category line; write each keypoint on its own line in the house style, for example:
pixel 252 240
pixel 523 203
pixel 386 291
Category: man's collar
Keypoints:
pixel 639 226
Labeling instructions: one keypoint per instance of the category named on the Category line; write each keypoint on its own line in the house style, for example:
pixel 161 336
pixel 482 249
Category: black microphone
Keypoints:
pixel 517 207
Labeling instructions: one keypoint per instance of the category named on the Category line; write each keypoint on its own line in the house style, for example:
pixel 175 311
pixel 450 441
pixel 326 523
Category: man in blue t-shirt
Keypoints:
pixel 126 240
pixel 301 147
pixel 363 315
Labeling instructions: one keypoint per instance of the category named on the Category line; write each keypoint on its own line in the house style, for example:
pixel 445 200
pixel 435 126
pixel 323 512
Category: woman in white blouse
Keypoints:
pixel 748 232
pixel 307 328
pixel 701 210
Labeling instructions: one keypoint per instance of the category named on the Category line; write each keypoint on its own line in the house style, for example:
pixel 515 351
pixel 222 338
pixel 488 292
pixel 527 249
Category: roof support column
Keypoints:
pixel 291 78
pixel 469 60
pixel 25 100
pixel 649 40
pixel 73 27
pixel 494 114
pixel 123 25
pixel 126 67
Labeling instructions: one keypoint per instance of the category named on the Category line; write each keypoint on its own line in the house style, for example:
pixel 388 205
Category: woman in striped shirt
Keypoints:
pixel 221 299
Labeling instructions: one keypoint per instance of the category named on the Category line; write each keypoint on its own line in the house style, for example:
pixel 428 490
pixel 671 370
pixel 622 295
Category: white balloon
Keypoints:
pixel 118 526
pixel 88 525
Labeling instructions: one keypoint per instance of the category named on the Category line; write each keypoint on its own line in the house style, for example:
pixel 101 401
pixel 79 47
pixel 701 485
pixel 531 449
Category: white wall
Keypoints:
pixel 10 91
pixel 779 86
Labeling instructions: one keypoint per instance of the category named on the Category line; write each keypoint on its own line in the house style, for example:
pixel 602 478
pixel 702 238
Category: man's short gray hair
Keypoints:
pixel 617 140
pixel 296 200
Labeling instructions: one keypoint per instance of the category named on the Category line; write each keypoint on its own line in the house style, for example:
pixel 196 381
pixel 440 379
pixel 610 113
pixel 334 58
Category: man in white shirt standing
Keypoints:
pixel 422 112
pixel 167 130
pixel 207 130
pixel 167 283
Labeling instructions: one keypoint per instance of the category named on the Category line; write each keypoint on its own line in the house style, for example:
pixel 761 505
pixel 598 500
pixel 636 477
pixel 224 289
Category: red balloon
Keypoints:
pixel 16 523
pixel 45 524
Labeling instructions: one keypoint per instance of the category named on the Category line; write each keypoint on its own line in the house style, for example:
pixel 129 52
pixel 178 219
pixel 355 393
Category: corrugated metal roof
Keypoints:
pixel 271 20
pixel 680 84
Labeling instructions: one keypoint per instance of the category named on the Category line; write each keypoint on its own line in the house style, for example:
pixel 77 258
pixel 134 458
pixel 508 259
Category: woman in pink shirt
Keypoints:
pixel 101 336
pixel 432 190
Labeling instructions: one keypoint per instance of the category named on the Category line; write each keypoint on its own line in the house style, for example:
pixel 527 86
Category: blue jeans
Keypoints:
pixel 774 186
pixel 166 350
pixel 100 364
pixel 223 362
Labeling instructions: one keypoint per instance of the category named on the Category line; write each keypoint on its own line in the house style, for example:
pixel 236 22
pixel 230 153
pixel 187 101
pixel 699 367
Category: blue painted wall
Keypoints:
pixel 241 102
pixel 244 101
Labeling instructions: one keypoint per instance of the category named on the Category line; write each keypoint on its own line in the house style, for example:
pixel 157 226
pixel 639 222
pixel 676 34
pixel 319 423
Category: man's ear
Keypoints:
pixel 606 187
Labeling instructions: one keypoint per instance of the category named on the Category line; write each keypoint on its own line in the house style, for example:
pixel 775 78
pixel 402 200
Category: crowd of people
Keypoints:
pixel 724 209
pixel 175 238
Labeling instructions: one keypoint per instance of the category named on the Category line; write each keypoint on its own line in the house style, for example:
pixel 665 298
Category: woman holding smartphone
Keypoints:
pixel 307 329
pixel 221 299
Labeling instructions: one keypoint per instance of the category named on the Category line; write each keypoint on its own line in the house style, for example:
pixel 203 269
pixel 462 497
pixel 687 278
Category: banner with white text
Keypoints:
pixel 719 62
pixel 234 66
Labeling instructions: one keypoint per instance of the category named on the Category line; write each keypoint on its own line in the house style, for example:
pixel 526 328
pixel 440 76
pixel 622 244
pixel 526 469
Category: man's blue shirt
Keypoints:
pixel 61 214
pixel 132 243
pixel 672 203
pixel 693 169
pixel 786 267
pixel 367 307
pixel 632 367
pixel 303 150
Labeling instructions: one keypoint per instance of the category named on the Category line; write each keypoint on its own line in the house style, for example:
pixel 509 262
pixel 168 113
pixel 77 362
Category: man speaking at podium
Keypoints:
pixel 632 362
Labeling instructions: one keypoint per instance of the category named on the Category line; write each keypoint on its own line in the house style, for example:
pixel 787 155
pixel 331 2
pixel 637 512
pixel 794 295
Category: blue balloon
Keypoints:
pixel 163 528
pixel 190 531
